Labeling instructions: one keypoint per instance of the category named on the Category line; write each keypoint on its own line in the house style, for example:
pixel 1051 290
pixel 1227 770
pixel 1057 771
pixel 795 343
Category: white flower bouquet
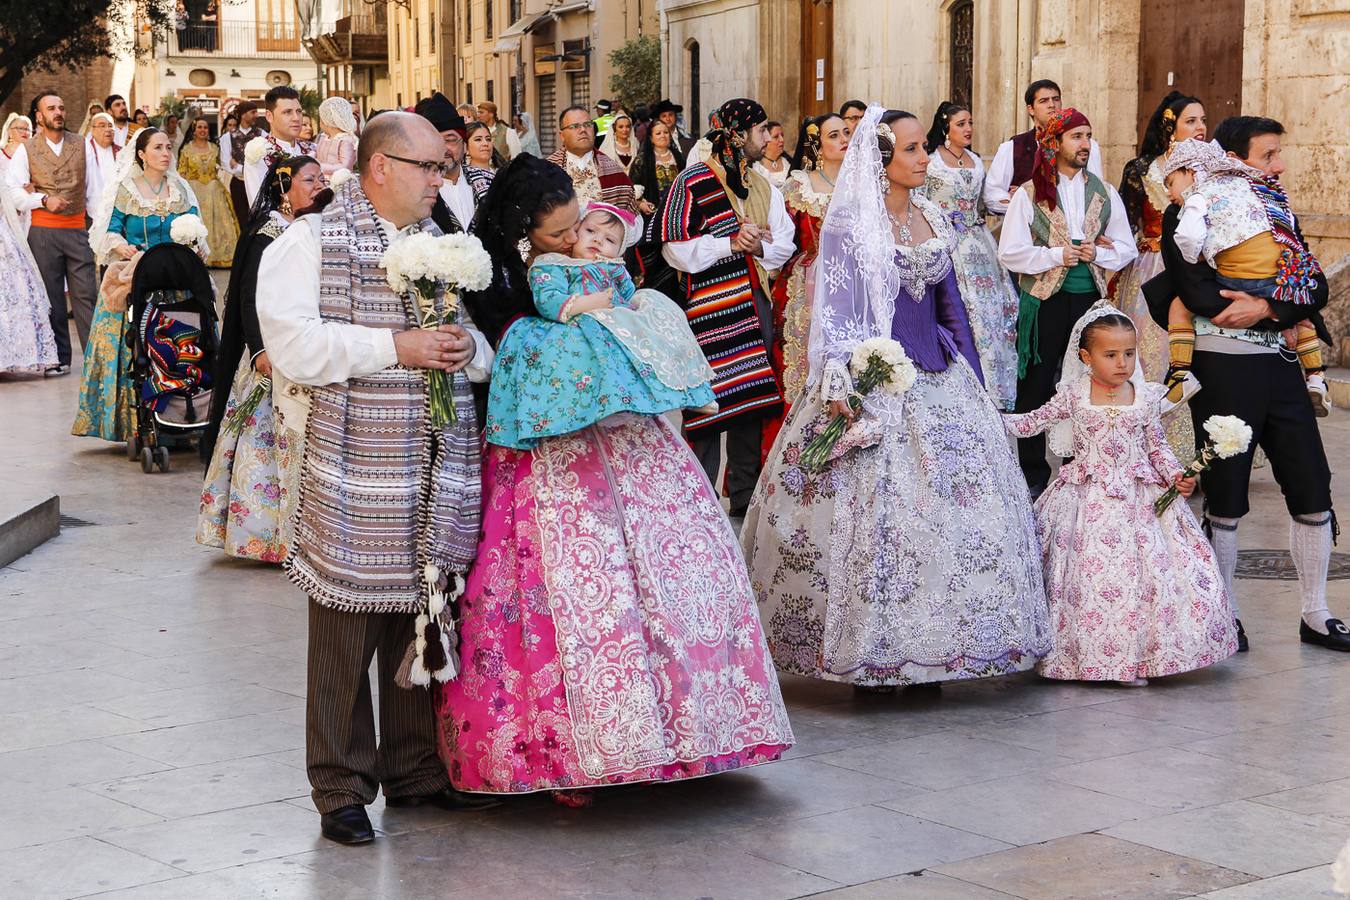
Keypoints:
pixel 423 265
pixel 877 363
pixel 1228 436
pixel 1340 871
pixel 339 178
pixel 188 229
pixel 256 149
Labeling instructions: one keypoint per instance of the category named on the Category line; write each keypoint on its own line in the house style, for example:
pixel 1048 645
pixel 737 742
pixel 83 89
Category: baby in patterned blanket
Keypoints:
pixel 598 347
pixel 1241 223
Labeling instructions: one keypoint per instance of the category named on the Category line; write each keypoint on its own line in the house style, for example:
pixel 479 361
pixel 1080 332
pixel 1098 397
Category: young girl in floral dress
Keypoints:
pixel 1133 595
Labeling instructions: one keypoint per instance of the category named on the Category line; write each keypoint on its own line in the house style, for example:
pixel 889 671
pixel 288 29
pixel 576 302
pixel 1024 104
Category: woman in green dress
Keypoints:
pixel 136 212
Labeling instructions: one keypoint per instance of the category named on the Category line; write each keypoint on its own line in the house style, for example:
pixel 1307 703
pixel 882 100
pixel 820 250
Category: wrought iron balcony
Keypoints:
pixel 354 40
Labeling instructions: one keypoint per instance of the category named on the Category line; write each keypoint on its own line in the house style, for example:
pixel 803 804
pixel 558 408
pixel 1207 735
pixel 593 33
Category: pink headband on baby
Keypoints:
pixel 632 231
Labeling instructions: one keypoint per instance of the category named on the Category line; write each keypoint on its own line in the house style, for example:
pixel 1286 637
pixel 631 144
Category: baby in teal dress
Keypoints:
pixel 598 347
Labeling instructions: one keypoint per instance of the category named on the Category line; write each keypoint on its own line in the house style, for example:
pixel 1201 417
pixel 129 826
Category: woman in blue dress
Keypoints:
pixel 136 212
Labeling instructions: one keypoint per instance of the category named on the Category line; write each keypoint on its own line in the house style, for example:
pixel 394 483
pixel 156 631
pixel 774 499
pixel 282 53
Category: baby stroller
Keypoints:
pixel 172 337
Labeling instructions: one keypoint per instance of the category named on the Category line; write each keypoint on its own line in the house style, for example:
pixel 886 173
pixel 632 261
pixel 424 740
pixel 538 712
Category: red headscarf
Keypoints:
pixel 1045 175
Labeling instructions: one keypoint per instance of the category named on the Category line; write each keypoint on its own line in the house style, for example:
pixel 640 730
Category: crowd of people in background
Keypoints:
pixel 673 320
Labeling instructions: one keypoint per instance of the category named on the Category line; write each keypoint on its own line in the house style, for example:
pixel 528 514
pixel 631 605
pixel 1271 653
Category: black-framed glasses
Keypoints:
pixel 428 167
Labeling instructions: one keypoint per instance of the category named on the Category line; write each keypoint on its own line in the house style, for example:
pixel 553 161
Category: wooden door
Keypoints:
pixel 817 92
pixel 1195 48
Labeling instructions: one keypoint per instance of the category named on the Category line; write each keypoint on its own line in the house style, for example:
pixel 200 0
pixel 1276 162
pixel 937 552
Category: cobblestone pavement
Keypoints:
pixel 151 746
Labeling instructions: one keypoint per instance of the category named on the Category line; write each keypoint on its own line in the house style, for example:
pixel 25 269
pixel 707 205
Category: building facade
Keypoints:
pixel 538 56
pixel 216 53
pixel 1115 59
pixel 354 54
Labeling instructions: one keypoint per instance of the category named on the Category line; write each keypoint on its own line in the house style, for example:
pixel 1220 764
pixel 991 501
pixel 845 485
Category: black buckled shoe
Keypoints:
pixel 446 798
pixel 1337 638
pixel 348 825
pixel 1242 636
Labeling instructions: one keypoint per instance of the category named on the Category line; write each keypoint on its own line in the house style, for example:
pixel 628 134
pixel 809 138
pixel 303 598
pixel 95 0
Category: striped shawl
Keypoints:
pixel 720 301
pixel 382 494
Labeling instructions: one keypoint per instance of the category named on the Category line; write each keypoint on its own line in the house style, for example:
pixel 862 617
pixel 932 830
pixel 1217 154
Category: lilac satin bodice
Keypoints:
pixel 936 328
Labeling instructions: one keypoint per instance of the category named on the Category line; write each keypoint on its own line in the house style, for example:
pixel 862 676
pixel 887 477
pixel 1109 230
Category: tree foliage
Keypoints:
pixel 636 78
pixel 43 35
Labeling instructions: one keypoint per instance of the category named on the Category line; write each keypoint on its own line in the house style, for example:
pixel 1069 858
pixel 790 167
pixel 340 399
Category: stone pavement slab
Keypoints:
pixel 152 734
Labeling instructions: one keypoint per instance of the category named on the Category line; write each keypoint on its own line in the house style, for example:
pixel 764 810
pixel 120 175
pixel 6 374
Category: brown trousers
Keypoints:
pixel 345 764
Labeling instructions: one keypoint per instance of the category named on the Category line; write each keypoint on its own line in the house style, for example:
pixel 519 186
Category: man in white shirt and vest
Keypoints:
pixel 55 163
pixel 390 504
pixel 1062 234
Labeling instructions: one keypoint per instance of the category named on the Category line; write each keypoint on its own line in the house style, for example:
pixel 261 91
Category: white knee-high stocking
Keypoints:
pixel 1310 546
pixel 1223 534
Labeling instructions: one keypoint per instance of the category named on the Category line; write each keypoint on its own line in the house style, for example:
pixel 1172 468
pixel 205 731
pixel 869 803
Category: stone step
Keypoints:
pixel 26 522
pixel 1338 384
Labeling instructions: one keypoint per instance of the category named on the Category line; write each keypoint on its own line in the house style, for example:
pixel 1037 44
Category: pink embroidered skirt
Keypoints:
pixel 609 633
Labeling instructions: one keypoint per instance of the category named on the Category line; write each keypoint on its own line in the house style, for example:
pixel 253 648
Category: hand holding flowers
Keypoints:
pixel 1228 436
pixel 189 230
pixel 876 363
pixel 425 266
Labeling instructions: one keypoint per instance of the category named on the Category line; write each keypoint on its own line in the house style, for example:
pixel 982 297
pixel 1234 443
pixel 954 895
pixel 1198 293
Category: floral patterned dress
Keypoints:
pixel 1132 595
pixel 201 169
pixel 792 296
pixel 252 483
pixel 911 557
pixel 27 342
pixel 608 633
pixel 988 291
pixel 1145 199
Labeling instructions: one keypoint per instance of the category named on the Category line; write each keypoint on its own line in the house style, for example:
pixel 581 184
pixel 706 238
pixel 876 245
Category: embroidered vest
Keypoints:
pixel 1024 157
pixel 1050 229
pixel 499 141
pixel 60 176
pixel 240 140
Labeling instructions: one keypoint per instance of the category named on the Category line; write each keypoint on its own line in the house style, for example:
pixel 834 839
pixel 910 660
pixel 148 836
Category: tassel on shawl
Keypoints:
pixel 433 653
pixel 1028 332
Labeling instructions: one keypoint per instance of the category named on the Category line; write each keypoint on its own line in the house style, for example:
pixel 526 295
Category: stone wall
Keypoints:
pixel 1296 68
pixel 1337 313
pixel 728 36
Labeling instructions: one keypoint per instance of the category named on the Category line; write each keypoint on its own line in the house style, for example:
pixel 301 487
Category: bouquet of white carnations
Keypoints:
pixel 339 178
pixel 188 230
pixel 1340 872
pixel 256 149
pixel 424 265
pixel 876 363
pixel 1228 436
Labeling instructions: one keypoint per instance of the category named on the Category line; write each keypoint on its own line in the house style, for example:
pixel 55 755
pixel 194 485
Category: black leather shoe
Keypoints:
pixel 1242 636
pixel 1337 639
pixel 446 798
pixel 348 825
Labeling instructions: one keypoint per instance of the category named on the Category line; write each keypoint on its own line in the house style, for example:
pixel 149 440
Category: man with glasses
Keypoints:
pixel 370 516
pixel 594 175
pixel 852 112
pixel 463 188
